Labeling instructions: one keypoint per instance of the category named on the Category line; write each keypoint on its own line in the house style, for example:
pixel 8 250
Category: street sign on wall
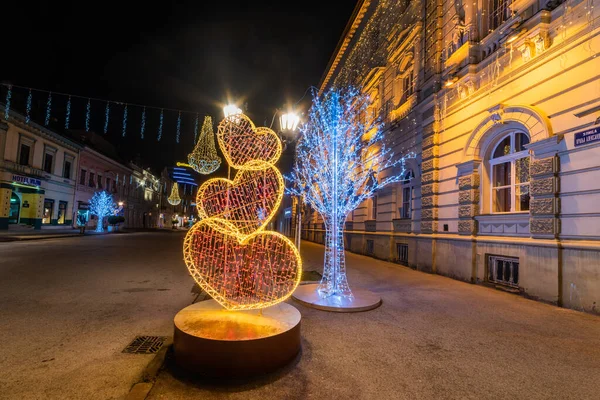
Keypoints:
pixel 587 137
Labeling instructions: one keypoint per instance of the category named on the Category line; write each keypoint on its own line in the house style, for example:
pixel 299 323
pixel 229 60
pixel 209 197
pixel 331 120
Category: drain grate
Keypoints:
pixel 145 344
pixel 311 276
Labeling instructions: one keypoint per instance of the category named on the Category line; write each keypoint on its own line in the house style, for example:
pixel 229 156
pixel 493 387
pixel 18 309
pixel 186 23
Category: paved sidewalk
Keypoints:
pixel 433 338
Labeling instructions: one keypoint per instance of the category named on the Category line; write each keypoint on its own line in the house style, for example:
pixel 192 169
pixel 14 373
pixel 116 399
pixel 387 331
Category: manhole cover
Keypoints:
pixel 145 345
pixel 312 276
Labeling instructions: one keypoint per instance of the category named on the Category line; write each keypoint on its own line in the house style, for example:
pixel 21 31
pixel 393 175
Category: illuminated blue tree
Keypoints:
pixel 101 205
pixel 340 162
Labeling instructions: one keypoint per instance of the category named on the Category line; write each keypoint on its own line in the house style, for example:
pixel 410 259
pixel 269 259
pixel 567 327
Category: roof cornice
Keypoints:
pixel 355 20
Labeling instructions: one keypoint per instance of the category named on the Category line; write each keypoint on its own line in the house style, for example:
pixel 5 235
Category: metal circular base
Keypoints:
pixel 362 300
pixel 212 341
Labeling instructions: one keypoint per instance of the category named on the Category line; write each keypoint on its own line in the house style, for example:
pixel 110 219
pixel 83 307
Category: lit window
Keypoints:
pixel 509 171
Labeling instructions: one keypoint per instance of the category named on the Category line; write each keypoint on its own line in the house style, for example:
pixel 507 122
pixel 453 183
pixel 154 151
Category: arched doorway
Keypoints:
pixel 15 209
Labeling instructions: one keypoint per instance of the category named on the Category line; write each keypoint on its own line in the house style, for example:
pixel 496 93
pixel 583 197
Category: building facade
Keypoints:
pixel 37 175
pixel 500 101
pixel 99 172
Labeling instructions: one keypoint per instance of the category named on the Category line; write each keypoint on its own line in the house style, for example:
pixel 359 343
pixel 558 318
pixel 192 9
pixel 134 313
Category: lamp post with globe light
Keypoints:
pixel 288 124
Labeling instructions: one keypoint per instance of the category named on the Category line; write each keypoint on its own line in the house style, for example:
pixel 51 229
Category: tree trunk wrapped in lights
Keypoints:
pixel 174 198
pixel 101 205
pixel 339 164
pixel 204 159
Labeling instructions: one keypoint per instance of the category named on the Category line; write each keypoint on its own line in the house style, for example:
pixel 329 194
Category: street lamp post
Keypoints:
pixel 288 123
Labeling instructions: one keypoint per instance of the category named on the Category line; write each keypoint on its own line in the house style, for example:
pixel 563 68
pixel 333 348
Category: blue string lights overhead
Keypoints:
pixel 68 114
pixel 88 110
pixel 106 115
pixel 125 120
pixel 143 123
pixel 160 125
pixel 48 109
pixel 178 128
pixel 7 102
pixel 196 128
pixel 71 100
pixel 28 108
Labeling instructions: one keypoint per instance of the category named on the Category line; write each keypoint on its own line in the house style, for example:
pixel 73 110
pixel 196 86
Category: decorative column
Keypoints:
pixel 468 196
pixel 544 186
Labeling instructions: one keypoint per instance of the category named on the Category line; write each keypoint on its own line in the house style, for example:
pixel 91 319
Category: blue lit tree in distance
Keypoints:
pixel 340 162
pixel 101 205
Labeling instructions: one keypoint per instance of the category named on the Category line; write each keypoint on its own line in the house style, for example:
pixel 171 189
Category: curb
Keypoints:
pixel 140 390
pixel 34 237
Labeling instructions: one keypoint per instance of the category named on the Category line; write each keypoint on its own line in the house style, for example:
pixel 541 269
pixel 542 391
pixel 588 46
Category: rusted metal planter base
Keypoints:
pixel 212 341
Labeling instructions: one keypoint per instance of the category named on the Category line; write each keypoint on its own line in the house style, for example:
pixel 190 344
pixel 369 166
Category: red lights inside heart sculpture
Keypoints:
pixel 255 272
pixel 248 202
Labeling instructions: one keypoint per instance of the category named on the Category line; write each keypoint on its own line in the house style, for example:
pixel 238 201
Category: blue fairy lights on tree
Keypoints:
pixel 341 161
pixel 101 205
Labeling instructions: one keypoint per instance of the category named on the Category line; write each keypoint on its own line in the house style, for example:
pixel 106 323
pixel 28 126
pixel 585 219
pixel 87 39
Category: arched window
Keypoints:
pixel 406 190
pixel 509 172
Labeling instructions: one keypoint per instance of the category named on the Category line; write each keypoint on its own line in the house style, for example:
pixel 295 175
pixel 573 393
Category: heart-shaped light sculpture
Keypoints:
pixel 241 272
pixel 228 252
pixel 249 202
pixel 246 146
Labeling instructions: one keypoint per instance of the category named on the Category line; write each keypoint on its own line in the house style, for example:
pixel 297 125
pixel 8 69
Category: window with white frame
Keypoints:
pixel 509 172
pixel 403 85
pixel 407 185
pixel 48 161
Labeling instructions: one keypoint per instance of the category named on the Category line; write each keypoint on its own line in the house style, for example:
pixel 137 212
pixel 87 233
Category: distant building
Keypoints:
pixel 501 102
pixel 187 181
pixel 37 175
pixel 99 170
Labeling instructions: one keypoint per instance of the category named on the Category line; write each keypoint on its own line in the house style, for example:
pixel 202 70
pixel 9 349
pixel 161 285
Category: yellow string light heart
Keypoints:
pixel 228 252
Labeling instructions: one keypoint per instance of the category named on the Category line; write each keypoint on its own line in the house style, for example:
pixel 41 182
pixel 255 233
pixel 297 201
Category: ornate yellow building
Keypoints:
pixel 501 101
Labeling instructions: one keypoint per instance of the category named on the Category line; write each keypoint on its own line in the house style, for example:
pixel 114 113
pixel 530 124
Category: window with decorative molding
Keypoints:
pixel 509 172
pixel 407 188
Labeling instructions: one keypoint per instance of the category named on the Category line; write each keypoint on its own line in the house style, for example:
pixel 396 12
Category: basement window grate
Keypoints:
pixel 402 253
pixel 503 270
pixel 370 247
pixel 145 345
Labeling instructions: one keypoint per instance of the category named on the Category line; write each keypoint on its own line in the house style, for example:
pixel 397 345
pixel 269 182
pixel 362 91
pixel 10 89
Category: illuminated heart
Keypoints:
pixel 248 202
pixel 258 271
pixel 241 142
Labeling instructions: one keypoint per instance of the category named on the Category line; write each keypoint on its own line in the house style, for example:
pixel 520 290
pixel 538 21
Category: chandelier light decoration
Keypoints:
pixel 174 198
pixel 204 158
pixel 340 163
pixel 228 252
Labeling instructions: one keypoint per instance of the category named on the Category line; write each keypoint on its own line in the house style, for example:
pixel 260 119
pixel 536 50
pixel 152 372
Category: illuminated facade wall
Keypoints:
pixel 98 172
pixel 37 175
pixel 501 101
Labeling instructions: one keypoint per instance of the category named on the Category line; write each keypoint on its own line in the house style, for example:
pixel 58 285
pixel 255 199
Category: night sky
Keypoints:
pixel 190 55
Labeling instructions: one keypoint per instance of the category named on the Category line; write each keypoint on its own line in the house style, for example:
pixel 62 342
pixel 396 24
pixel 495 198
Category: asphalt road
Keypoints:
pixel 433 338
pixel 68 307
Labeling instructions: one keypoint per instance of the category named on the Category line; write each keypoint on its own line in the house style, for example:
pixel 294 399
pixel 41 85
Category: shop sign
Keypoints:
pixel 587 137
pixel 25 180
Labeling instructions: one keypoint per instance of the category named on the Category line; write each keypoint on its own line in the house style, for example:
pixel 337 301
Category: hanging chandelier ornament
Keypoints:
pixel 174 198
pixel 204 159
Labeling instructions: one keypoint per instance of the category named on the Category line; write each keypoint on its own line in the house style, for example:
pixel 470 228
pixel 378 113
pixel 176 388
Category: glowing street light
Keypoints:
pixel 289 121
pixel 231 109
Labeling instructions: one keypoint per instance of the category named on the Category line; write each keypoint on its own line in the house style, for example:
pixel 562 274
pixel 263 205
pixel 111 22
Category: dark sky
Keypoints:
pixel 191 55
